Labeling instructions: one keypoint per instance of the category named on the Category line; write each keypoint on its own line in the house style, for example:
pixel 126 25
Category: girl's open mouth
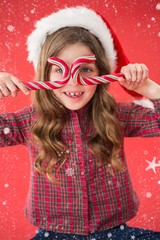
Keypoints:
pixel 73 94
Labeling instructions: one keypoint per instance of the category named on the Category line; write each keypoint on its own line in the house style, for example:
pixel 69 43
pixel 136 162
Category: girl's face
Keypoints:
pixel 72 95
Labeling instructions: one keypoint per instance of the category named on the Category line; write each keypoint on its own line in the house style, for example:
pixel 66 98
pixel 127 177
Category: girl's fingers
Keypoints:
pixel 1 94
pixel 135 73
pixel 145 71
pixel 19 84
pixel 137 76
pixel 129 72
pixel 10 85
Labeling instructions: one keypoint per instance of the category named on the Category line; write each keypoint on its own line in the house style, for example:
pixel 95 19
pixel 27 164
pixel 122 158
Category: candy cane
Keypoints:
pixel 75 68
pixel 52 84
pixel 74 72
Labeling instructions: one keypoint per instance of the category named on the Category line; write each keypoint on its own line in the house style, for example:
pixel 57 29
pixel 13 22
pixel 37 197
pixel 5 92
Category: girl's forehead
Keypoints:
pixel 74 51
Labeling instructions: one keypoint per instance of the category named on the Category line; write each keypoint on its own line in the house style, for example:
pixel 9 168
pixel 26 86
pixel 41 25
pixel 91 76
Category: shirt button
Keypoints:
pixel 74 115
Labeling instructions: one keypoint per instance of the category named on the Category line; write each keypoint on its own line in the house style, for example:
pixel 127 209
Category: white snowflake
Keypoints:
pixel 46 234
pixel 133 237
pixel 158 6
pixel 6 185
pixel 109 235
pixel 11 28
pixel 4 203
pixel 152 165
pixel 148 195
pixel 26 19
pixel 6 130
pixel 33 11
pixel 122 227
pixel 69 172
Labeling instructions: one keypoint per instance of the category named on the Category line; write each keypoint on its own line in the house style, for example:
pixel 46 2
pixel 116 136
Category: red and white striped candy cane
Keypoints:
pixel 74 72
pixel 75 68
pixel 52 84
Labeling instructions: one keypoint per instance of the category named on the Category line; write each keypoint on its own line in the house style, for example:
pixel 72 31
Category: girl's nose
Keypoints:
pixel 72 81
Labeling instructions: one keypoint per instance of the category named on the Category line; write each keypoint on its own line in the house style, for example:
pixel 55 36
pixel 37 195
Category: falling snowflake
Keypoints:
pixel 122 227
pixel 11 28
pixel 148 195
pixel 4 203
pixel 109 235
pixel 6 130
pixel 133 237
pixel 6 185
pixel 158 6
pixel 46 234
pixel 33 11
pixel 152 165
pixel 69 172
pixel 26 19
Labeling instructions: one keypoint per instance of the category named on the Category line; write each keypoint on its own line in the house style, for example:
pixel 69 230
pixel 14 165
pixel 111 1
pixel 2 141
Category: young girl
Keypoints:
pixel 80 187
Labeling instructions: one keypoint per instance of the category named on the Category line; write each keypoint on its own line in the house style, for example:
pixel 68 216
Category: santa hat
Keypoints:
pixel 80 17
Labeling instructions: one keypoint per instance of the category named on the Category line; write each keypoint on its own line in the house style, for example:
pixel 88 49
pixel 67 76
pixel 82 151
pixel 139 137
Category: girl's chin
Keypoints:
pixel 74 107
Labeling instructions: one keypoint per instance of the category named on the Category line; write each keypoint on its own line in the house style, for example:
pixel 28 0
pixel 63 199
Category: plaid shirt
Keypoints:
pixel 88 198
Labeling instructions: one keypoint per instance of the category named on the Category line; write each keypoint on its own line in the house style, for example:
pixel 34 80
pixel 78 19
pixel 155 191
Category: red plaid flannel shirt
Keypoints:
pixel 88 198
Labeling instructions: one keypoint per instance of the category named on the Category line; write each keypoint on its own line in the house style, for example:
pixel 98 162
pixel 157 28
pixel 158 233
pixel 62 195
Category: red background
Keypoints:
pixel 137 23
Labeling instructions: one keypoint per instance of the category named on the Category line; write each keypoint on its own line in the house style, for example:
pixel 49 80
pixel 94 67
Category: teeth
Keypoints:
pixel 73 94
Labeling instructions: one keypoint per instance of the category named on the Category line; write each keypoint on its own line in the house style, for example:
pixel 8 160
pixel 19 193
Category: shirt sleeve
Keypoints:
pixel 140 120
pixel 14 127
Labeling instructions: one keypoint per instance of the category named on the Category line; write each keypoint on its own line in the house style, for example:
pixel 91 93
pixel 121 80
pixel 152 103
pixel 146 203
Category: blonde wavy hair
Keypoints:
pixel 105 144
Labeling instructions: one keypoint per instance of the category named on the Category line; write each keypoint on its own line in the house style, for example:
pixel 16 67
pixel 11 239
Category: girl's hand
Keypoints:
pixel 136 75
pixel 9 85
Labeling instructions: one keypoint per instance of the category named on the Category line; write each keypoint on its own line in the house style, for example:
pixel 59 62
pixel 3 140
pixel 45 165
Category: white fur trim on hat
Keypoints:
pixel 74 16
pixel 144 103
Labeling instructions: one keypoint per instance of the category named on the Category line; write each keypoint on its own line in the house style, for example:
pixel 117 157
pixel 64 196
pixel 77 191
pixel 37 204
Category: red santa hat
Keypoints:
pixel 80 17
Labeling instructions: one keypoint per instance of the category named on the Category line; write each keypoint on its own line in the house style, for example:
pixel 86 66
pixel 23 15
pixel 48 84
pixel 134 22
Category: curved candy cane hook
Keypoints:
pixel 52 84
pixel 75 68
